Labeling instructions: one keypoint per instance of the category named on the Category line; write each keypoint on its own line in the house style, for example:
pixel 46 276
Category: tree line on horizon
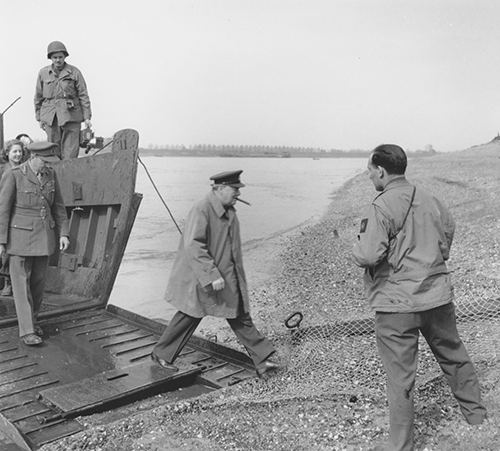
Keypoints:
pixel 228 150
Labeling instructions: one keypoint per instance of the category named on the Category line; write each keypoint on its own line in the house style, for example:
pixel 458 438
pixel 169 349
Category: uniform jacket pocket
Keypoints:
pixel 68 86
pixel 20 222
pixel 20 227
pixel 48 86
pixel 28 198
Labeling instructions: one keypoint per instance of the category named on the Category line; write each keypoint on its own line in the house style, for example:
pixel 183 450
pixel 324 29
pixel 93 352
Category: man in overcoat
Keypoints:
pixel 208 278
pixel 61 101
pixel 33 221
pixel 403 244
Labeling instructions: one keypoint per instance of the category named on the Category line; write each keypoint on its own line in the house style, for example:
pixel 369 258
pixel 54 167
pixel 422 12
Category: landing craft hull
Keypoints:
pixel 94 356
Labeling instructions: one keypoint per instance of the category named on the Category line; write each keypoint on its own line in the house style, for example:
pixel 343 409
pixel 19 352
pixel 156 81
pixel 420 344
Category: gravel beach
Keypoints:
pixel 331 394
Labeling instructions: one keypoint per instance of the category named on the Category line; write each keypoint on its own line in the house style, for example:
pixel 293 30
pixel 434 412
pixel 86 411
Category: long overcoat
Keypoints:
pixel 210 248
pixel 32 212
pixel 64 95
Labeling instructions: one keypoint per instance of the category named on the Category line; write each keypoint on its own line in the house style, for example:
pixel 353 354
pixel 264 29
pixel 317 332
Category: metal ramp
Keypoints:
pixel 91 361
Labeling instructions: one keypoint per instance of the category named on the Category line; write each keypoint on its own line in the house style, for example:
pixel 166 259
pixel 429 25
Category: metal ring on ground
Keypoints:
pixel 293 324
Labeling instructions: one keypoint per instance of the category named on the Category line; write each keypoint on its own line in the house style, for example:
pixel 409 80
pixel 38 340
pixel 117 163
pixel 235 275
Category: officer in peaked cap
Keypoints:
pixel 208 278
pixel 45 150
pixel 33 222
pixel 231 178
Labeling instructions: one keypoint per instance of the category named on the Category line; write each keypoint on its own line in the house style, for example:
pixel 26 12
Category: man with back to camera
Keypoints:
pixel 208 278
pixel 61 101
pixel 33 221
pixel 403 244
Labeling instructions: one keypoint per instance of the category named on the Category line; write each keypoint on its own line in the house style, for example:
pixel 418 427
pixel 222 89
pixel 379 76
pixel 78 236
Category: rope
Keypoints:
pixel 103 147
pixel 159 195
pixel 4 111
pixel 152 182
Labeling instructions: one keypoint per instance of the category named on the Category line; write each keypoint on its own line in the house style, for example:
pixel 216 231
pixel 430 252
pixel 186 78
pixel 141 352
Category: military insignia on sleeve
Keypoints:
pixel 364 223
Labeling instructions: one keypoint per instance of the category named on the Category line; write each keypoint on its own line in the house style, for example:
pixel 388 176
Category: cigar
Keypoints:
pixel 244 201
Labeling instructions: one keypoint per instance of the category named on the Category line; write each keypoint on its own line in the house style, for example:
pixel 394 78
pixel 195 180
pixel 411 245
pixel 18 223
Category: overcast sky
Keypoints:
pixel 333 74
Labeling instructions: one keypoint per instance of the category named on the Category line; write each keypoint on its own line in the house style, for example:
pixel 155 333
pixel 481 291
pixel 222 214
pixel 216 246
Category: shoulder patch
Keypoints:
pixel 364 223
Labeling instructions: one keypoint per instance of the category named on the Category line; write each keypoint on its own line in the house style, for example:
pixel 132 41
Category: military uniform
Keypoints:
pixel 32 218
pixel 210 249
pixel 403 244
pixel 62 103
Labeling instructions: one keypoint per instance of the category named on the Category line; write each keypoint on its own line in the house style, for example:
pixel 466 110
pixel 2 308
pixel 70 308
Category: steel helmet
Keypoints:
pixel 56 46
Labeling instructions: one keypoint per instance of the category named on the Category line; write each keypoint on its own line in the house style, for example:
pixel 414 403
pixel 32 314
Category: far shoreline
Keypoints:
pixel 315 155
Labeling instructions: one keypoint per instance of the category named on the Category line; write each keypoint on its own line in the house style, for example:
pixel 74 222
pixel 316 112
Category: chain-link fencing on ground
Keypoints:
pixel 342 358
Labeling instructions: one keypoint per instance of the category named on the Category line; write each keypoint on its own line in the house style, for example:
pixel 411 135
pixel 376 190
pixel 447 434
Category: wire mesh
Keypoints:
pixel 342 357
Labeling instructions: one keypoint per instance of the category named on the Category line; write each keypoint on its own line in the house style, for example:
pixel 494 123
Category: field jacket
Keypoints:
pixel 64 96
pixel 210 248
pixel 32 213
pixel 403 246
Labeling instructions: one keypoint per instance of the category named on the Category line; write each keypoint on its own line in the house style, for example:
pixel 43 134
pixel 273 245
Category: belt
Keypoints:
pixel 40 212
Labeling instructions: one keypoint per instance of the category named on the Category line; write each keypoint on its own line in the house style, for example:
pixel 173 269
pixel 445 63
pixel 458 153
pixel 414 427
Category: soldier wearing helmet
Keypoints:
pixel 61 101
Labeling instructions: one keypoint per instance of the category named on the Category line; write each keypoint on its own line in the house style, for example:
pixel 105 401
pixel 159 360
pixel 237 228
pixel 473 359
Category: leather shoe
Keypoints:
pixel 38 331
pixel 163 363
pixel 266 366
pixel 31 340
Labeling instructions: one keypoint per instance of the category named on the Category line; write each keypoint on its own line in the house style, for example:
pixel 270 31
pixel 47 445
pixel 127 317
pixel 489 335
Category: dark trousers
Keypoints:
pixel 182 326
pixel 27 276
pixel 397 341
pixel 66 136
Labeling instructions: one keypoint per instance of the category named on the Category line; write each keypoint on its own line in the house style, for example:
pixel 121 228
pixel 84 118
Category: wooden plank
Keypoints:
pixel 125 329
pixel 21 375
pixel 130 344
pixel 132 347
pixel 8 347
pixel 90 322
pixel 26 385
pixel 78 320
pixel 15 365
pixel 35 424
pixel 110 386
pixel 98 327
pixel 17 399
pixel 52 432
pixel 193 357
pixel 107 342
pixel 134 355
pixel 25 411
pixel 8 356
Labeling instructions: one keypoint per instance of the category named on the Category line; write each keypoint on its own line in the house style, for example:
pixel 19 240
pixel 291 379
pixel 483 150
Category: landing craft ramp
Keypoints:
pixel 94 356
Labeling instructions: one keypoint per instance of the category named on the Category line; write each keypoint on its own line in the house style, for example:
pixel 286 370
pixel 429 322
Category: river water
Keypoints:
pixel 284 193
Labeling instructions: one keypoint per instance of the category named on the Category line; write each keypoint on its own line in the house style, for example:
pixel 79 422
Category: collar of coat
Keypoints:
pixel 66 70
pixel 26 170
pixel 396 182
pixel 218 207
